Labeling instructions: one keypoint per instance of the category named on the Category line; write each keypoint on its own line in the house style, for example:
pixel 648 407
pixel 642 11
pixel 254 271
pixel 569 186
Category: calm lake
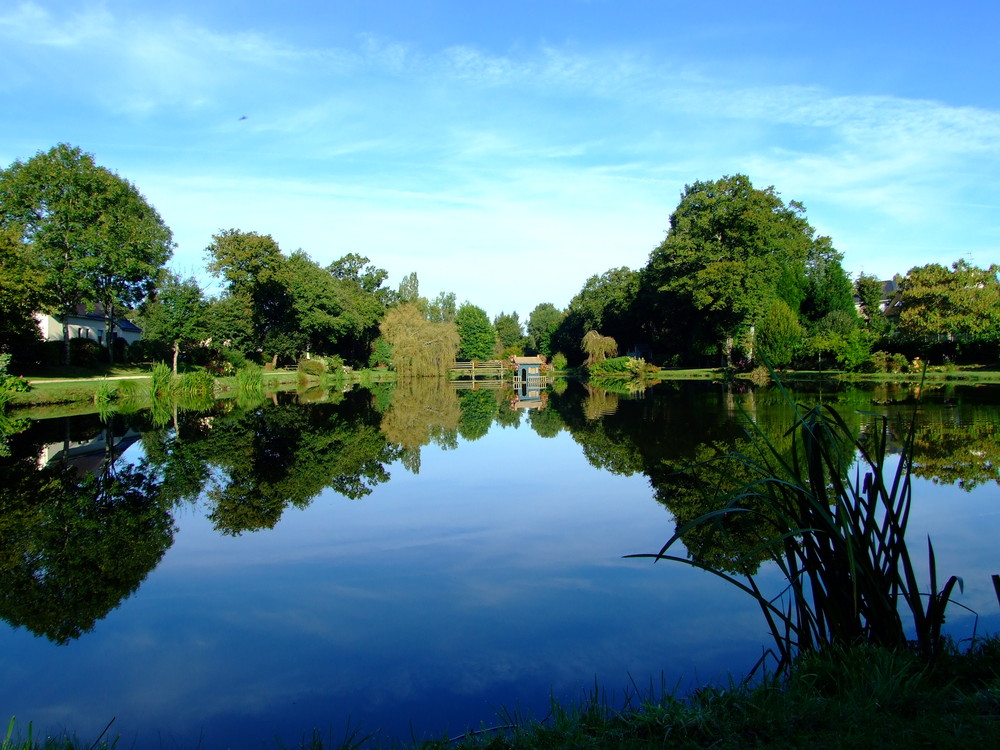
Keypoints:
pixel 412 561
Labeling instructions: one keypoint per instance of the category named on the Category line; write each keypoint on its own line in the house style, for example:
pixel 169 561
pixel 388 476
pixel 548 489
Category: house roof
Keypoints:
pixel 97 315
pixel 528 360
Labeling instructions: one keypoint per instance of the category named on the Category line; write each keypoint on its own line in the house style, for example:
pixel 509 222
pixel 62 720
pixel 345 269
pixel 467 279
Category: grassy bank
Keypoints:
pixel 968 374
pixel 839 699
pixel 65 391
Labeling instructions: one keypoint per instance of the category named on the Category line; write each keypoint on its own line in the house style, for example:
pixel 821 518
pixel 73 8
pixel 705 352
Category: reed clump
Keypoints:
pixel 833 512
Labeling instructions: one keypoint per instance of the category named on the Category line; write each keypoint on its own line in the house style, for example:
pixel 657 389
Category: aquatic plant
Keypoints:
pixel 161 381
pixel 834 513
pixel 250 378
pixel 197 385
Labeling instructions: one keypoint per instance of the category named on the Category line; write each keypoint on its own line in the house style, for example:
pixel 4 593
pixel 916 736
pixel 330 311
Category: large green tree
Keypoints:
pixel 21 295
pixel 730 250
pixel 510 334
pixel 605 303
pixel 176 315
pixel 254 268
pixel 960 304
pixel 94 238
pixel 870 291
pixel 828 287
pixel 478 338
pixel 543 321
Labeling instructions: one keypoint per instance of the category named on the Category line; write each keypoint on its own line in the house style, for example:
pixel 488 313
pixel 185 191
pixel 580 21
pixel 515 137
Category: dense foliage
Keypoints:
pixel 87 235
pixel 740 277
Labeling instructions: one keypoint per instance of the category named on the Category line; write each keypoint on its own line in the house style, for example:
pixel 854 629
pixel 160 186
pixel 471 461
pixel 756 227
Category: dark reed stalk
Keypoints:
pixel 836 517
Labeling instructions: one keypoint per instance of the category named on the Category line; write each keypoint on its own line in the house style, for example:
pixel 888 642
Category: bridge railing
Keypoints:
pixel 490 367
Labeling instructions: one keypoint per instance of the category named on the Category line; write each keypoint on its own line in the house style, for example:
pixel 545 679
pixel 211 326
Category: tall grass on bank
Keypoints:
pixel 250 378
pixel 161 381
pixel 249 387
pixel 834 515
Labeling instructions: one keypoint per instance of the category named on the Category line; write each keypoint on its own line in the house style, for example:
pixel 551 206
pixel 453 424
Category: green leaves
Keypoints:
pixel 478 338
pixel 730 251
pixel 91 235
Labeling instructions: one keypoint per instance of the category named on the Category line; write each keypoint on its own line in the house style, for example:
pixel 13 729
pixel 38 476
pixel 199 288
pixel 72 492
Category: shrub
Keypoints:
pixel 311 367
pixel 559 361
pixel 197 384
pixel 161 381
pixel 9 383
pixel 334 363
pixel 250 379
pixel 381 355
pixel 630 367
pixel 84 352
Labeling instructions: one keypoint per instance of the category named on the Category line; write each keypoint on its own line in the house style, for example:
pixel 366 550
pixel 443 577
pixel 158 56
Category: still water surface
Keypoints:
pixel 413 562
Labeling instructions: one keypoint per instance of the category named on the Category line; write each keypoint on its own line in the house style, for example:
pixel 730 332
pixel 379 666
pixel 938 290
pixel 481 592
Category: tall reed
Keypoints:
pixel 250 378
pixel 161 381
pixel 834 514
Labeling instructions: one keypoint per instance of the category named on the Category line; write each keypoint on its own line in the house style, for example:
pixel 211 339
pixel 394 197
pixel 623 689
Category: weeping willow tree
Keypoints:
pixel 598 347
pixel 420 347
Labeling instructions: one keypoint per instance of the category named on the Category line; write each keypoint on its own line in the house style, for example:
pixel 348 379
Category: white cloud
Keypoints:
pixel 559 161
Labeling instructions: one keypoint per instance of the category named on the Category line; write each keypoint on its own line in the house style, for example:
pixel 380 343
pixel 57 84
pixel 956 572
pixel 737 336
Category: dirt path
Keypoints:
pixel 85 380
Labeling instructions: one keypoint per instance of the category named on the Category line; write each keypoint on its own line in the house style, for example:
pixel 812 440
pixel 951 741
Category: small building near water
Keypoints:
pixel 527 368
pixel 83 324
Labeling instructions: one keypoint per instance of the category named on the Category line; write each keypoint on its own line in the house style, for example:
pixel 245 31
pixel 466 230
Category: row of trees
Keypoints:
pixel 74 234
pixel 740 274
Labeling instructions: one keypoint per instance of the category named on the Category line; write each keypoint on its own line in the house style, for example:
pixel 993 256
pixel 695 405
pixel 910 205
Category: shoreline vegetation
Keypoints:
pixel 75 386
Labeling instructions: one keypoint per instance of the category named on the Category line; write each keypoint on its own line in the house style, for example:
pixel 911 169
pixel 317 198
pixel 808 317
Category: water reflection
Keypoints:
pixel 78 534
pixel 468 523
pixel 81 530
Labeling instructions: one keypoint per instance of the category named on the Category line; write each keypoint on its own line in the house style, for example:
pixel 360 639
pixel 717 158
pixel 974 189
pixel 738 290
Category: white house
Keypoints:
pixel 88 325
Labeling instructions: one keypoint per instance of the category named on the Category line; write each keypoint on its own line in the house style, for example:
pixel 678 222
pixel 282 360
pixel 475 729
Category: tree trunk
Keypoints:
pixel 177 349
pixel 109 327
pixel 65 327
pixel 727 350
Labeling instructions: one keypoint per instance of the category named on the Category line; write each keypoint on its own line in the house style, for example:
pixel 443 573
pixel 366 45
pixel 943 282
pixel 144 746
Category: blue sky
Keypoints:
pixel 508 151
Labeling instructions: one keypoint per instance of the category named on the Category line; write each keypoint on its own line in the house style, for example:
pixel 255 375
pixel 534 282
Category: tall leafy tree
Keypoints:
pixel 94 238
pixel 828 286
pixel 780 334
pixel 605 303
pixel 478 338
pixel 21 295
pixel 960 304
pixel 730 250
pixel 442 309
pixel 363 300
pixel 176 315
pixel 420 347
pixel 543 321
pixel 870 292
pixel 254 269
pixel 510 335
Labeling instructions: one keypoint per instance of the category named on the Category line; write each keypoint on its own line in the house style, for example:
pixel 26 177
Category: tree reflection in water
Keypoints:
pixel 75 542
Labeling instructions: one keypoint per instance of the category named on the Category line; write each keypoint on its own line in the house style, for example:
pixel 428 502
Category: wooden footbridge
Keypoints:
pixel 490 368
pixel 493 373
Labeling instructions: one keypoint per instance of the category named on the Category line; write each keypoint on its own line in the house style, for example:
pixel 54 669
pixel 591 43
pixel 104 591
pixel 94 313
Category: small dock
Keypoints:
pixel 490 368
